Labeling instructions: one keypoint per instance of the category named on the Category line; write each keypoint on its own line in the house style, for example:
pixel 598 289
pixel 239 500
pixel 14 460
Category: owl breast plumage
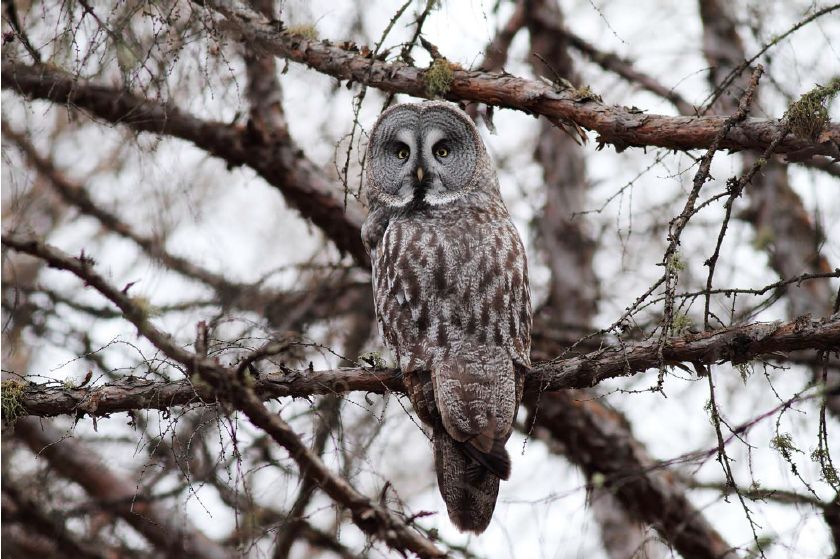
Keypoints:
pixel 450 285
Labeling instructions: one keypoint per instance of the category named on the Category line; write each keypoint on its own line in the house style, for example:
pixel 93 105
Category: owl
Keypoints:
pixel 450 283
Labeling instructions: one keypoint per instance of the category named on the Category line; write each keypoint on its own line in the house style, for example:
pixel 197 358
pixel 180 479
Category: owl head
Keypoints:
pixel 425 154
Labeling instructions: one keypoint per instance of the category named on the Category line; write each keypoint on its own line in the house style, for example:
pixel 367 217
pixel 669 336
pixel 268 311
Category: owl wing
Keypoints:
pixel 478 386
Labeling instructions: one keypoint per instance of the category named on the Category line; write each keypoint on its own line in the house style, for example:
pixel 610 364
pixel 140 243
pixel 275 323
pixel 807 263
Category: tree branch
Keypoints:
pixel 624 68
pixel 651 494
pixel 615 125
pixel 21 508
pixel 276 158
pixel 737 344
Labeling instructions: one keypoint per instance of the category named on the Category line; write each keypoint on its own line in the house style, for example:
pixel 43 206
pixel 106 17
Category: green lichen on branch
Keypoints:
pixel 808 116
pixel 306 31
pixel 675 263
pixel 783 444
pixel 827 469
pixel 11 396
pixel 745 370
pixel 439 77
pixel 585 93
pixel 681 324
pixel 374 359
pixel 145 306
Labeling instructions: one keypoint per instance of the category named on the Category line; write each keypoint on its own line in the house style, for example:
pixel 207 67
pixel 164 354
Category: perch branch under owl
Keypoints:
pixel 736 344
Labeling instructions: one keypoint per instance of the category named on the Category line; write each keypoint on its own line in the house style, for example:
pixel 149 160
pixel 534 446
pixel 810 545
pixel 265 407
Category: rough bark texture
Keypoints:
pixel 618 126
pixel 736 344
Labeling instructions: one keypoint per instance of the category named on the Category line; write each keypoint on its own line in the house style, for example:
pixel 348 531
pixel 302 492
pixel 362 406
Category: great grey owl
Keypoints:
pixel 450 284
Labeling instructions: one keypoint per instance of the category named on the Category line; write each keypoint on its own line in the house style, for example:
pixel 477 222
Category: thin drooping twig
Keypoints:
pixel 777 38
pixel 375 520
pixel 736 187
pixel 775 210
pixel 671 258
pixel 14 22
pixel 624 68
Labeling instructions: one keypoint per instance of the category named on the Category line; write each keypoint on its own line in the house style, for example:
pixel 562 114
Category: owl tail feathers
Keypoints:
pixel 468 488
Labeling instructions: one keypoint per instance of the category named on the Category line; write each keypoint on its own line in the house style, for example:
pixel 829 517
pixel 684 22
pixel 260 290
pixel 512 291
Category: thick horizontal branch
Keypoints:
pixel 276 158
pixel 619 126
pixel 737 344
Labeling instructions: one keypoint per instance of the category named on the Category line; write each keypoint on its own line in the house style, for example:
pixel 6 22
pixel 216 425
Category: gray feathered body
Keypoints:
pixel 451 291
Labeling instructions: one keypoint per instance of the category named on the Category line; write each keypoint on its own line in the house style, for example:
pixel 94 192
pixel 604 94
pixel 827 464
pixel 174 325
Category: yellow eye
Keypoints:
pixel 442 152
pixel 403 153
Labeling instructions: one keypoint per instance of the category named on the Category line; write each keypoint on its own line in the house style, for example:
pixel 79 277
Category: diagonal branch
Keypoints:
pixel 76 195
pixel 615 125
pixel 20 508
pixel 624 68
pixel 277 159
pixel 628 471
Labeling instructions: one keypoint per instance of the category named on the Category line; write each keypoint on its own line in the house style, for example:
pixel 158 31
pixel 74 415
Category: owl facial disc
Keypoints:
pixel 422 155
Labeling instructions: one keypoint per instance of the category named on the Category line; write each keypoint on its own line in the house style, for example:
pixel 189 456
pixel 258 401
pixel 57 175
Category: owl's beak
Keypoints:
pixel 420 174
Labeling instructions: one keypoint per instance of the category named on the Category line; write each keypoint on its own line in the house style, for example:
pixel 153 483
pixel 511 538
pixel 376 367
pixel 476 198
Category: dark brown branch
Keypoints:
pixel 615 125
pixel 825 165
pixel 278 160
pixel 20 508
pixel 737 344
pixel 496 53
pixel 628 472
